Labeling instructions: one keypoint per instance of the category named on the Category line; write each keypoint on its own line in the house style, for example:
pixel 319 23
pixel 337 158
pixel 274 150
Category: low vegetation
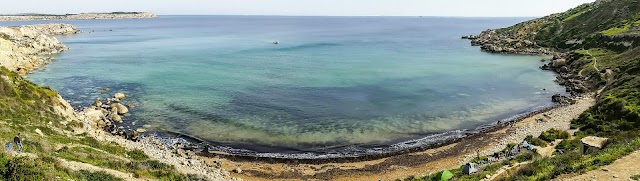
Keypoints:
pixel 603 42
pixel 488 168
pixel 26 107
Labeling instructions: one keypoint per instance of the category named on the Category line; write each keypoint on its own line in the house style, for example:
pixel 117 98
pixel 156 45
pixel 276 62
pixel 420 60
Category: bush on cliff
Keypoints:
pixel 553 135
pixel 23 168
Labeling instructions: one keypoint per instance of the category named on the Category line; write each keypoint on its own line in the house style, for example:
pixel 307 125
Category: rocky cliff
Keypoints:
pixel 595 48
pixel 83 16
pixel 26 48
pixel 602 24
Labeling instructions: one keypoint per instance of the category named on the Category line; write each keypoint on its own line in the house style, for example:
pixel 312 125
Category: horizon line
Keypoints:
pixel 426 16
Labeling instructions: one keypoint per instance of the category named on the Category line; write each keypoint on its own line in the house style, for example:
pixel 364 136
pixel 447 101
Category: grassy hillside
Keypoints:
pixel 602 39
pixel 601 42
pixel 594 25
pixel 29 109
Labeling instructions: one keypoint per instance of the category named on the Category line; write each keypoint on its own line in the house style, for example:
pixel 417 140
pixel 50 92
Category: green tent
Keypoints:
pixel 444 176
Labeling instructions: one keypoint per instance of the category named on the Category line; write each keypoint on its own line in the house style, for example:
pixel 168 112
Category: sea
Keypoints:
pixel 278 85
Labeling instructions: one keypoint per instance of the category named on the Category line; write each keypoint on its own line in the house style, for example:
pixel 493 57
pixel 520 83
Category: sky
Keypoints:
pixel 463 8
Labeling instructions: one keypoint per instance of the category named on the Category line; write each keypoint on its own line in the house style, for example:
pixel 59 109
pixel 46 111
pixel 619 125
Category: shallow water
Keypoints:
pixel 332 82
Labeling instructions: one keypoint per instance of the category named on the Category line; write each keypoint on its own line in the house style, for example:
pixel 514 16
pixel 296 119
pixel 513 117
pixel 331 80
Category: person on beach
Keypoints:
pixel 18 143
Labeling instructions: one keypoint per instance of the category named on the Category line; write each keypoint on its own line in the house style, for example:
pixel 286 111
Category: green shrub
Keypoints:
pixel 137 155
pixel 24 168
pixel 536 141
pixel 553 135
pixel 524 157
pixel 569 144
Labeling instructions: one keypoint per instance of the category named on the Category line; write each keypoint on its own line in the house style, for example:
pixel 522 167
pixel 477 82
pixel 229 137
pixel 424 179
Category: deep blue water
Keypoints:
pixel 331 82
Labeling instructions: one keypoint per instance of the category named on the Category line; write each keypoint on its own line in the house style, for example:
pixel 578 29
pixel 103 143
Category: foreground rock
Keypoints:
pixel 26 48
pixel 83 16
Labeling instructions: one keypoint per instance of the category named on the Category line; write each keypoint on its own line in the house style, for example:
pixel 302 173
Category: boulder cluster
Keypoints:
pixel 494 42
pixel 107 114
pixel 573 82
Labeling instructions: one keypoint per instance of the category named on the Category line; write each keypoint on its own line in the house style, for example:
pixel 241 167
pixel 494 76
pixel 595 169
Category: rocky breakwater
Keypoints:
pixel 83 16
pixel 26 48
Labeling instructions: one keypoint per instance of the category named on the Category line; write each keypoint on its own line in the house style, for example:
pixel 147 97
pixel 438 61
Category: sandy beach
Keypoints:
pixel 418 163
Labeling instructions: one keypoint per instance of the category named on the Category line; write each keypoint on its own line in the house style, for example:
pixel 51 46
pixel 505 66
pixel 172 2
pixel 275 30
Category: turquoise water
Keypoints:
pixel 332 82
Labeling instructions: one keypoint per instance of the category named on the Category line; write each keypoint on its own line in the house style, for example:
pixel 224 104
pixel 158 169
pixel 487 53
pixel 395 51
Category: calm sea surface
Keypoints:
pixel 331 82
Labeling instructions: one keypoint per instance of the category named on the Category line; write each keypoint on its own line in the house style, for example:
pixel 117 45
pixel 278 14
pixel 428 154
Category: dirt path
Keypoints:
pixel 505 169
pixel 548 151
pixel 621 169
pixel 77 166
pixel 595 61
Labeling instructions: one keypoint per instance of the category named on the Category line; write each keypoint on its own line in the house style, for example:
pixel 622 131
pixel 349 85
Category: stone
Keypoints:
pixel 141 130
pixel 238 170
pixel 559 62
pixel 181 152
pixel 101 124
pixel 119 95
pixel 39 132
pixel 98 102
pixel 121 109
pixel 116 118
pixel 94 115
pixel 135 135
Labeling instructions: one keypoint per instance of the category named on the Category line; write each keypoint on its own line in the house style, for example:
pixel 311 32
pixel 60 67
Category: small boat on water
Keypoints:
pixel 276 42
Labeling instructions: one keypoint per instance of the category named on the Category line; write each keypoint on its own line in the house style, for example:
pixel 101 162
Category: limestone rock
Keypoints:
pixel 119 95
pixel 98 102
pixel 94 115
pixel 116 118
pixel 559 62
pixel 39 132
pixel 121 109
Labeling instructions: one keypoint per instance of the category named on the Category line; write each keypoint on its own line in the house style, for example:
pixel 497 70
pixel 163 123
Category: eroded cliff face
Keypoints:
pixel 25 48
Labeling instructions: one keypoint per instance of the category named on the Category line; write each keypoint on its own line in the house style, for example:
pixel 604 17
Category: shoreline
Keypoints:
pixel 431 160
pixel 186 159
pixel 406 147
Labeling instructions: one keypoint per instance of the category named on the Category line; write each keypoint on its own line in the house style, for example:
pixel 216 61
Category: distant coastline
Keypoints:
pixel 82 16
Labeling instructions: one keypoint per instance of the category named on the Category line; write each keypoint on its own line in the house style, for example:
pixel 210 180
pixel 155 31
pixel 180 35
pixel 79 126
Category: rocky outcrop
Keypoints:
pixel 519 40
pixel 494 42
pixel 25 48
pixel 83 16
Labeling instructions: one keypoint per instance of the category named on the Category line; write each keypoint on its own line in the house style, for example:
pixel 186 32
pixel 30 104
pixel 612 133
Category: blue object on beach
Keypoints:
pixel 9 146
